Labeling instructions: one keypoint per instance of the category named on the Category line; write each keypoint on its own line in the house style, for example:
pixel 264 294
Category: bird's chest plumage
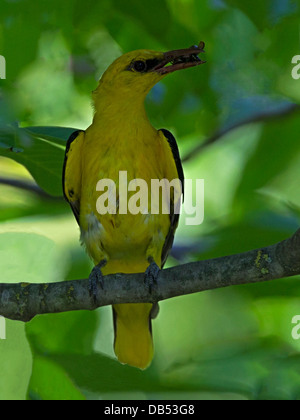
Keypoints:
pixel 122 157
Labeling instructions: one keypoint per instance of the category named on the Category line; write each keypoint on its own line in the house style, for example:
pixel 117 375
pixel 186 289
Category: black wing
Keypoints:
pixel 70 186
pixel 174 218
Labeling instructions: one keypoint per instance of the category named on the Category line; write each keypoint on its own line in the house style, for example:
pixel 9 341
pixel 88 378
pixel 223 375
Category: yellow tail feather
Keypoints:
pixel 133 336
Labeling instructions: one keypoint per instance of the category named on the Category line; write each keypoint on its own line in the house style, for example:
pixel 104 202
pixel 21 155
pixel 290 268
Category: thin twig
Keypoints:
pixel 28 186
pixel 261 117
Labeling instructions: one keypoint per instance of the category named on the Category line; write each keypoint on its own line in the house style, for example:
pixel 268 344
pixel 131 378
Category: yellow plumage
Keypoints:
pixel 121 138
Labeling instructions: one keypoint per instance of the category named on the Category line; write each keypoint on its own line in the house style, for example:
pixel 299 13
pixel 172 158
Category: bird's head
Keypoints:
pixel 138 71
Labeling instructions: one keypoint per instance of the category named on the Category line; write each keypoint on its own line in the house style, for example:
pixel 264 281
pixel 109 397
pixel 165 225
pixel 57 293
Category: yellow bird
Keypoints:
pixel 121 138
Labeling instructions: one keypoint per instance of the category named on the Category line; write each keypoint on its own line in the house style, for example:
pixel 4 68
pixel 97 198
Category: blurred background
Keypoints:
pixel 236 120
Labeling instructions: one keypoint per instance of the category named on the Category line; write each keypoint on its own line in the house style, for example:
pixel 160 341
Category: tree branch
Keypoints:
pixel 23 301
pixel 28 186
pixel 260 117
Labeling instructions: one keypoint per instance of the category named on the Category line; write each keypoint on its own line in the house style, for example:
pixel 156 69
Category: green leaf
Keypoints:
pixel 40 149
pixel 70 332
pixel 276 150
pixel 15 362
pixel 100 374
pixel 57 135
pixel 29 258
pixel 51 383
pixel 247 369
pixel 7 136
pixel 23 258
pixel 258 370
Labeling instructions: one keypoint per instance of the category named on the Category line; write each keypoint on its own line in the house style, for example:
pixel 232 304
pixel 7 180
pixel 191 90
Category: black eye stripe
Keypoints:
pixel 152 63
pixel 141 66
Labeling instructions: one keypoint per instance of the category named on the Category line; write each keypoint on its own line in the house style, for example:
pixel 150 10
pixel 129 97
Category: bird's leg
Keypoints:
pixel 154 311
pixel 96 278
pixel 151 274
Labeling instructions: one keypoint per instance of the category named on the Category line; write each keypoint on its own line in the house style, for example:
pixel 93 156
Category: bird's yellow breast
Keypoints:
pixel 140 152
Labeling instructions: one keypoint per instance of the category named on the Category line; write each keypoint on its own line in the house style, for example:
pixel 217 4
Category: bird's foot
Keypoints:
pixel 151 274
pixel 96 279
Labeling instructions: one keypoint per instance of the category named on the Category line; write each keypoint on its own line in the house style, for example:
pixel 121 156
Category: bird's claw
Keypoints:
pixel 96 279
pixel 151 275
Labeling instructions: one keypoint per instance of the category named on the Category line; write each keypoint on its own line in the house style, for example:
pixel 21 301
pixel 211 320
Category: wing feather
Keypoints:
pixel 72 172
pixel 174 218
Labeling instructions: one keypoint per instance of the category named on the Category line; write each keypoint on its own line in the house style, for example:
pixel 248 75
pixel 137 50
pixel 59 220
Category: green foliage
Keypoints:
pixel 226 344
pixel 40 151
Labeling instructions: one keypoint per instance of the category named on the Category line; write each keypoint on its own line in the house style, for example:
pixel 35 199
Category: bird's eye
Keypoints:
pixel 139 66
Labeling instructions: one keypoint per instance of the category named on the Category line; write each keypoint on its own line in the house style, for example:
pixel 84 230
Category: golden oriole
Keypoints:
pixel 121 138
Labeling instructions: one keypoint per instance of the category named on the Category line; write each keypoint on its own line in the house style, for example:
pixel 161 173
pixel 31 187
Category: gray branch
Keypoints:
pixel 23 301
pixel 28 186
pixel 257 118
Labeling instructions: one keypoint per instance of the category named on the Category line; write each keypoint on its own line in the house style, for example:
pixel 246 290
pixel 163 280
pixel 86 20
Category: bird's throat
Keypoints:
pixel 125 113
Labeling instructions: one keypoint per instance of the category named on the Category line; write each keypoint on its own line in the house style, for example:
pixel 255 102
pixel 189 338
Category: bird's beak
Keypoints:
pixel 180 59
